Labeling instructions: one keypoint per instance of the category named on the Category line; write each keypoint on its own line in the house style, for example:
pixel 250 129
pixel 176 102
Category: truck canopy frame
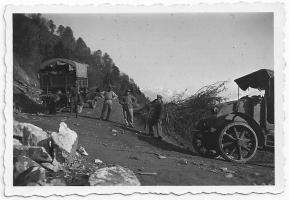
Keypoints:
pixel 61 73
pixel 260 79
pixel 56 63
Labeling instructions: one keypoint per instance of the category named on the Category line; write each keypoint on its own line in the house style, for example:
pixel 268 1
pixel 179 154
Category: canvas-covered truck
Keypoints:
pixel 236 129
pixel 57 77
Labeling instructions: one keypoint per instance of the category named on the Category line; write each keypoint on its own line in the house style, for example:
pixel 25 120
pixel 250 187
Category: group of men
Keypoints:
pixel 127 101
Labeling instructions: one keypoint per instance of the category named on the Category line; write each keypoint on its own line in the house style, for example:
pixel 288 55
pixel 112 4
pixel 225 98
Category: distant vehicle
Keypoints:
pixel 237 129
pixel 56 77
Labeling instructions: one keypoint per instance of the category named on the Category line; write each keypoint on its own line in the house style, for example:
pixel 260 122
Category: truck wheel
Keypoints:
pixel 200 146
pixel 237 142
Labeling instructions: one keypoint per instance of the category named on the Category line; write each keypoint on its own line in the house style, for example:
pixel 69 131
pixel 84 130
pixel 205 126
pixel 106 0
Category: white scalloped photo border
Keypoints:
pixel 279 67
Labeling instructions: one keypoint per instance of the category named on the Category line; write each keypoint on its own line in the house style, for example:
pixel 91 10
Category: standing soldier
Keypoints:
pixel 75 99
pixel 127 102
pixel 154 121
pixel 108 96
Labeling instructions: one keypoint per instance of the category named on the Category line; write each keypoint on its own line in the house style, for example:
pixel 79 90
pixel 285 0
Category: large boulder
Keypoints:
pixel 38 154
pixel 64 143
pixel 33 176
pixel 115 176
pixel 21 164
pixel 31 135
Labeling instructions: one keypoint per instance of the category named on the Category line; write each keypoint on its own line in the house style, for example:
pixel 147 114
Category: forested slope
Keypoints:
pixel 36 39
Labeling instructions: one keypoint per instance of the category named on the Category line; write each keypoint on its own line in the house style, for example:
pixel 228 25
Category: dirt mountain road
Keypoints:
pixel 154 162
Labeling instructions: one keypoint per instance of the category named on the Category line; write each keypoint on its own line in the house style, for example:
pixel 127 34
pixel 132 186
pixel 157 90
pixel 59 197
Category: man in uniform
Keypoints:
pixel 108 96
pixel 75 99
pixel 127 102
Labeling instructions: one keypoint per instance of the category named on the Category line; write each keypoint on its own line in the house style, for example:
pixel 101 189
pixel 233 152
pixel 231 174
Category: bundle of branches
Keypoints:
pixel 182 113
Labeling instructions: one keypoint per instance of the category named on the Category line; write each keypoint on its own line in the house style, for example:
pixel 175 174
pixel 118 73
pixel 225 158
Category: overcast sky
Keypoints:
pixel 178 51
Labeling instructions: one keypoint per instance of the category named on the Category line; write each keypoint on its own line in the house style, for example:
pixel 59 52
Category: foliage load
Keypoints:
pixel 36 39
pixel 181 114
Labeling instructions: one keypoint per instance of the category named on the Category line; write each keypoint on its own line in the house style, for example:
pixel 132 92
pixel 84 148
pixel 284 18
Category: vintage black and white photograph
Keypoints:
pixel 144 99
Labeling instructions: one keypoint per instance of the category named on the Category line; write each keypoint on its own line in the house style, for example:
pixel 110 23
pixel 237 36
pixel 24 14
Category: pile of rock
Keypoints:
pixel 35 151
pixel 49 158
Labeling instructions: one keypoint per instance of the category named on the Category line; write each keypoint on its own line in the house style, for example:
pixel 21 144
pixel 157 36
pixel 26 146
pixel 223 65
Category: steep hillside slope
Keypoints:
pixel 36 39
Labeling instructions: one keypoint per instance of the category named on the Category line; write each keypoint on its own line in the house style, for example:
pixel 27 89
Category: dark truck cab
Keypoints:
pixel 236 129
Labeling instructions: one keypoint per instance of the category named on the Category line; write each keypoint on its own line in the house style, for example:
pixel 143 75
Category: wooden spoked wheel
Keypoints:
pixel 238 142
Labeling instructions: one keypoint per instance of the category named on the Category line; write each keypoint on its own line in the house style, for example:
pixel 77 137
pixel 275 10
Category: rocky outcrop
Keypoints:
pixel 50 159
pixel 36 152
pixel 115 175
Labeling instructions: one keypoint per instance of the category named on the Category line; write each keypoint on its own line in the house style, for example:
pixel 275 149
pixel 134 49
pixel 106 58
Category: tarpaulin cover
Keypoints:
pixel 81 69
pixel 259 79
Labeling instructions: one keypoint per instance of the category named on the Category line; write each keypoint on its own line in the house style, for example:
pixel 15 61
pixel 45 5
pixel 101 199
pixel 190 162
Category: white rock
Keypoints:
pixel 114 176
pixel 97 161
pixel 66 138
pixel 183 161
pixel 225 169
pixel 229 175
pixel 161 156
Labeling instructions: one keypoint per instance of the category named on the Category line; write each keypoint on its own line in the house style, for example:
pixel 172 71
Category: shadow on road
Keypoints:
pixel 90 117
pixel 164 145
pixel 120 125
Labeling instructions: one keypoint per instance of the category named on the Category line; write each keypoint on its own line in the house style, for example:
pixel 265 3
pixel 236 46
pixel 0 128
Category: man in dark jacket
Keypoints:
pixel 75 99
pixel 154 122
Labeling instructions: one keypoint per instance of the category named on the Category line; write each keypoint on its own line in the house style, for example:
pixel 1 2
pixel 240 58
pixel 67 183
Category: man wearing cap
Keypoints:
pixel 154 122
pixel 108 96
pixel 127 102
